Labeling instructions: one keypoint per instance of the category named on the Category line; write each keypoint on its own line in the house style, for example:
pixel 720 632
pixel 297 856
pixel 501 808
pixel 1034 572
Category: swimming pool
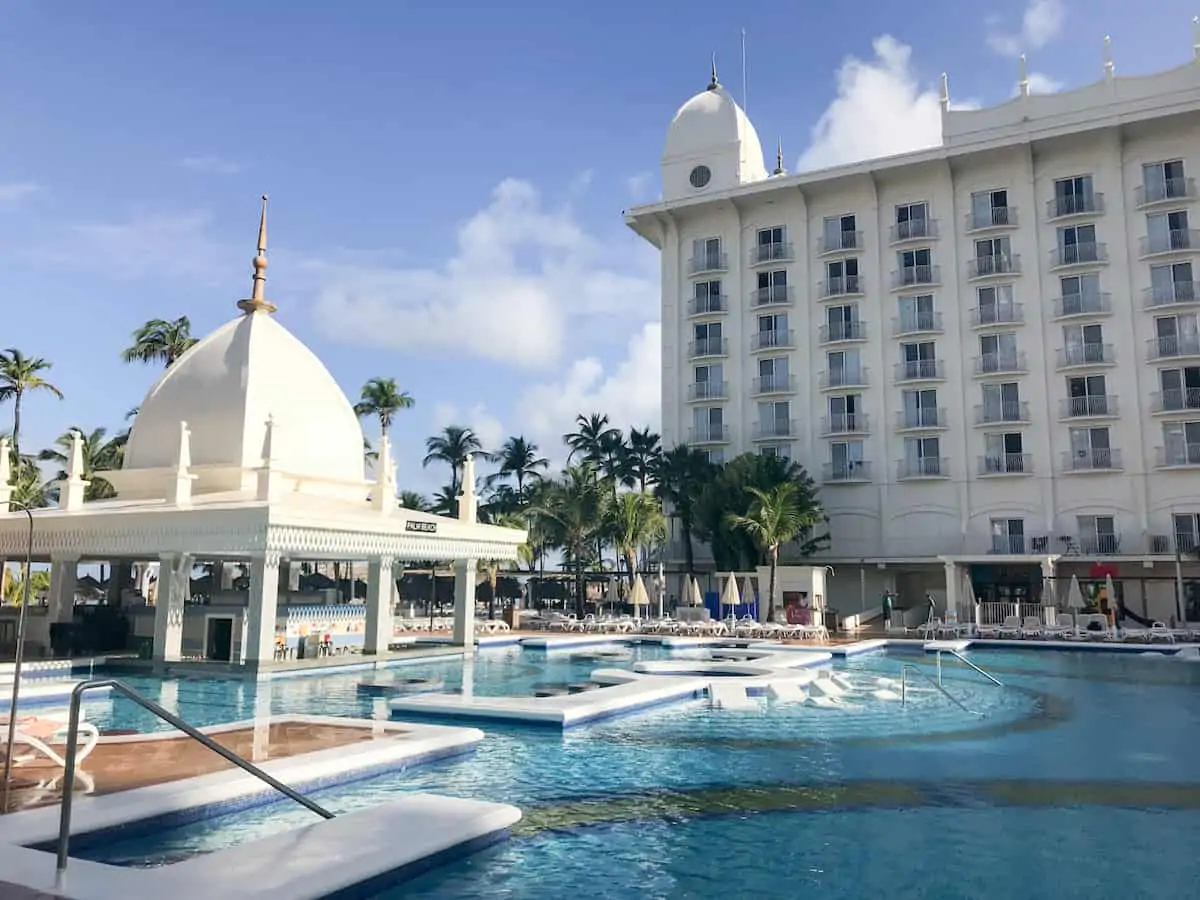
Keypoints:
pixel 1078 777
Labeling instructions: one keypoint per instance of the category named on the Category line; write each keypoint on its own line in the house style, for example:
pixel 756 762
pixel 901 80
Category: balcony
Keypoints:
pixel 708 347
pixel 704 306
pixel 836 332
pixel 923 467
pixel 1175 400
pixel 1089 304
pixel 844 378
pixel 1090 253
pixel 996 217
pixel 1168 190
pixel 915 276
pixel 1075 356
pixel 844 423
pixel 913 230
pixel 708 390
pixel 1177 240
pixel 1178 293
pixel 917 323
pixel 1180 542
pixel 1098 459
pixel 843 286
pixel 1178 456
pixel 1096 406
pixel 1012 412
pixel 1075 205
pixel 709 434
pixel 1174 346
pixel 840 242
pixel 993 265
pixel 773 295
pixel 1007 363
pixel 773 384
pixel 920 370
pixel 774 428
pixel 778 338
pixel 1008 545
pixel 1006 464
pixel 921 419
pixel 708 262
pixel 1099 544
pixel 998 314
pixel 776 251
pixel 846 470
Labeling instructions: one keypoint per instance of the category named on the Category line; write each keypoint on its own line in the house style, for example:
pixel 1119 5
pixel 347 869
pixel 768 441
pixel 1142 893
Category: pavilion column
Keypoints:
pixel 174 579
pixel 381 604
pixel 464 602
pixel 953 574
pixel 64 576
pixel 259 645
pixel 289 575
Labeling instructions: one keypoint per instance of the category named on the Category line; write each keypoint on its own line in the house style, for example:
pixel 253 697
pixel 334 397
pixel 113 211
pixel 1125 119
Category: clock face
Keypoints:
pixel 700 176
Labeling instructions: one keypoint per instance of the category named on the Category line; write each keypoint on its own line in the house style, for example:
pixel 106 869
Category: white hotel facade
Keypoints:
pixel 986 354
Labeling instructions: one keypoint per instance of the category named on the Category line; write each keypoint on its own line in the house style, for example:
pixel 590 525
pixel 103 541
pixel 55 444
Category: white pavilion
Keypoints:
pixel 247 452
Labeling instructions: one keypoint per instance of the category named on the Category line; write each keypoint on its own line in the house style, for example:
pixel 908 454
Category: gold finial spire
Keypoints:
pixel 779 169
pixel 257 301
pixel 713 83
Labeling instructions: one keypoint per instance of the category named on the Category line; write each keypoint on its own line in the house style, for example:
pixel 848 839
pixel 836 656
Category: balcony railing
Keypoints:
pixel 1174 345
pixel 713 303
pixel 923 467
pixel 708 347
pixel 773 384
pixel 1182 455
pixel 920 370
pixel 707 390
pixel 1178 292
pixel 836 378
pixel 1006 464
pixel 775 251
pixel 1006 411
pixel 924 417
pixel 911 276
pixel 841 241
pixel 1175 240
pixel 842 331
pixel 1175 400
pixel 1099 544
pixel 844 423
pixel 708 262
pixel 774 428
pixel 917 323
pixel 765 340
pixel 998 314
pixel 1093 406
pixel 1008 544
pixel 708 434
pixel 996 217
pixel 1163 191
pixel 1097 459
pixel 842 286
pixel 771 295
pixel 1085 355
pixel 846 470
pixel 1081 254
pixel 1090 304
pixel 999 363
pixel 994 264
pixel 1075 205
pixel 913 230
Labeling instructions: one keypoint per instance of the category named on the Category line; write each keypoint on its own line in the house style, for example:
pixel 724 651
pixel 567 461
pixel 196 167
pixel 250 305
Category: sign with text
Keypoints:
pixel 421 527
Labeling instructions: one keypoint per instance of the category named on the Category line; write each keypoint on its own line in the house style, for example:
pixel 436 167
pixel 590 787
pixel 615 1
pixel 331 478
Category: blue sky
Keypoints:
pixel 447 179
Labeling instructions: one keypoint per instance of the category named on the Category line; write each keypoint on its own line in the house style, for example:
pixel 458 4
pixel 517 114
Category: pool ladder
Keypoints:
pixel 937 685
pixel 64 821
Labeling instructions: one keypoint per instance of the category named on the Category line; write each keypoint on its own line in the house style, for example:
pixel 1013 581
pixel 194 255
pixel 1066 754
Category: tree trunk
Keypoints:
pixel 580 599
pixel 685 525
pixel 16 435
pixel 631 564
pixel 774 562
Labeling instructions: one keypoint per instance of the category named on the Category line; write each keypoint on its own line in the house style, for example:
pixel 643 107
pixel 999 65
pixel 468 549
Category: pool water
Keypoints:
pixel 1079 777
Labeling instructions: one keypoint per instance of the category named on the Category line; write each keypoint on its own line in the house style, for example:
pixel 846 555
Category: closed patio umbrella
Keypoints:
pixel 1075 595
pixel 612 598
pixel 729 595
pixel 697 596
pixel 1110 591
pixel 748 595
pixel 968 603
pixel 638 596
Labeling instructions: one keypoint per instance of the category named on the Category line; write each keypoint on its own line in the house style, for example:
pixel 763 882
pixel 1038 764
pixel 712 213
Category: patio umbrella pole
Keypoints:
pixel 18 658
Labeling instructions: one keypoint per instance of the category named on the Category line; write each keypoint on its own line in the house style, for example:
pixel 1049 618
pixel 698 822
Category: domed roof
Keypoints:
pixel 708 121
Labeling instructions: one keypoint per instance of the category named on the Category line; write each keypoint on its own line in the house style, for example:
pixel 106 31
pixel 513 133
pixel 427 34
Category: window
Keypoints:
pixel 912 221
pixel 1181 443
pixel 920 409
pixel 1172 284
pixel 919 360
pixel 1073 196
pixel 774 419
pixel 841 323
pixel 707 255
pixel 846 460
pixel 845 413
pixel 708 382
pixel 996 305
pixel 1083 345
pixel 1163 181
pixel 1088 396
pixel 707 297
pixel 998 352
pixel 1180 388
pixel 993 255
pixel 707 338
pixel 842 277
pixel 916 266
pixel 1002 403
pixel 990 209
pixel 1077 244
pixel 773 374
pixel 708 423
pixel 1187 531
pixel 1167 231
pixel 845 368
pixel 779 451
pixel 1080 294
pixel 839 234
pixel 916 314
pixel 1003 453
pixel 1177 335
pixel 1008 535
pixel 922 456
pixel 1097 534
pixel 772 287
pixel 771 244
pixel 1091 449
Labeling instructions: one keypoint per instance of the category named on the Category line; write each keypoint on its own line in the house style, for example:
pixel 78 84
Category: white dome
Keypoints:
pixel 227 385
pixel 709 121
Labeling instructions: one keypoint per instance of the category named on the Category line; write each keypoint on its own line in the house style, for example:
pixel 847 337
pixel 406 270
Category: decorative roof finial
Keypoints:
pixel 257 301
pixel 1196 36
pixel 1109 69
pixel 713 83
pixel 945 92
pixel 1023 82
pixel 779 169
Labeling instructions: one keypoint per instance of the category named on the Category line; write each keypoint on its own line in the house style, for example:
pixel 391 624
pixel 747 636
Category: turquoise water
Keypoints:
pixel 1080 776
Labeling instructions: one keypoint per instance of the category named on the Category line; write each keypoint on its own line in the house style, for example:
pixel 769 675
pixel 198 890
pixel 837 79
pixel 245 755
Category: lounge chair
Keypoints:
pixel 1031 626
pixel 39 735
pixel 1011 628
pixel 1160 632
pixel 1063 627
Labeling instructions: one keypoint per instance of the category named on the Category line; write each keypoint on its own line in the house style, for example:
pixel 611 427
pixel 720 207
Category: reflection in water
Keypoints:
pixel 468 676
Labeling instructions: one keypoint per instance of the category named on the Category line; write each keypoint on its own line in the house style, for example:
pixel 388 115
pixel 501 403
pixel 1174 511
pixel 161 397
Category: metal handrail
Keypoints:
pixel 962 659
pixel 907 667
pixel 64 822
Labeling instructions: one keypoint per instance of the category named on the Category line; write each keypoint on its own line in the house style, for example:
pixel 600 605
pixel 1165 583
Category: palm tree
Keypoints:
pixel 412 500
pixel 380 397
pixel 681 475
pixel 572 511
pixel 643 455
pixel 776 516
pixel 634 521
pixel 452 447
pixel 160 340
pixel 20 375
pixel 520 461
pixel 587 441
pixel 491 567
pixel 614 459
pixel 99 455
pixel 444 502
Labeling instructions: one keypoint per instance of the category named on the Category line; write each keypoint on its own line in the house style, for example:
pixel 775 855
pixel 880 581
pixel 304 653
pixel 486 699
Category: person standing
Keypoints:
pixel 887 610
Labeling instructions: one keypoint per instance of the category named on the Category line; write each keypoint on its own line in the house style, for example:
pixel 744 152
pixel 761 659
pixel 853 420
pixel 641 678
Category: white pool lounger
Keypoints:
pixel 729 696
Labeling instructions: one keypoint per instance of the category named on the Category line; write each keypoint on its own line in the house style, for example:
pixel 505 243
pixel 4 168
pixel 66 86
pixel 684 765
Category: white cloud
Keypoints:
pixel 1041 22
pixel 524 276
pixel 486 426
pixel 211 165
pixel 14 192
pixel 1040 83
